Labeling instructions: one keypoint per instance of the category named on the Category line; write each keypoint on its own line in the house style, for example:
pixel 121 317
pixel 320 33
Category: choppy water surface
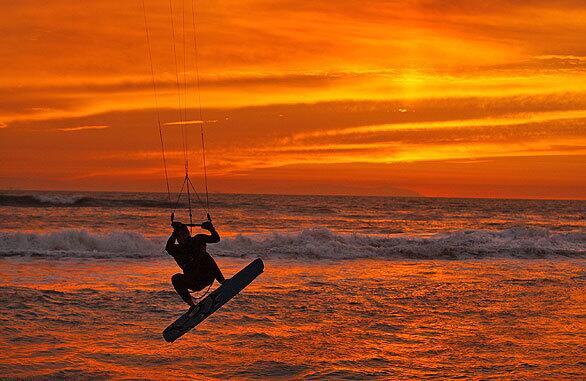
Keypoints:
pixel 135 225
pixel 359 319
pixel 148 213
pixel 354 288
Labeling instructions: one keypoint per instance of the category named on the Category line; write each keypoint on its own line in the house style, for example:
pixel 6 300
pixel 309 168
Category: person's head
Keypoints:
pixel 182 234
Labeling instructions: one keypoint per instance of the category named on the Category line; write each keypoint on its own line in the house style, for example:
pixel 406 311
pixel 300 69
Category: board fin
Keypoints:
pixel 213 301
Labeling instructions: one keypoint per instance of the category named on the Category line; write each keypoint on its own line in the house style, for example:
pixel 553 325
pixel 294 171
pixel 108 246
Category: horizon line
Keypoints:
pixel 309 195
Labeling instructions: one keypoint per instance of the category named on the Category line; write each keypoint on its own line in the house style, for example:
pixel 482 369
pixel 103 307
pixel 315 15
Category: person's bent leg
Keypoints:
pixel 199 284
pixel 181 285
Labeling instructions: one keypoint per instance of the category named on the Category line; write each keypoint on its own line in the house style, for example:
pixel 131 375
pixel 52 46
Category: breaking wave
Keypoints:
pixel 41 200
pixel 106 200
pixel 67 200
pixel 78 244
pixel 519 242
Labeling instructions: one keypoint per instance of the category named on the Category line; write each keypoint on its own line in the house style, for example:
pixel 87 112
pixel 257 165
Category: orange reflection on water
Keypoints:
pixel 326 319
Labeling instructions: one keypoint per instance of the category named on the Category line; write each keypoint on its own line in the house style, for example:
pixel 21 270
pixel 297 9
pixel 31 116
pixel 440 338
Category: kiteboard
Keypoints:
pixel 213 301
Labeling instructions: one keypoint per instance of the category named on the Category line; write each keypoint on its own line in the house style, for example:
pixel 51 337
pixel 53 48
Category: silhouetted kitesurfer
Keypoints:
pixel 199 271
pixel 199 268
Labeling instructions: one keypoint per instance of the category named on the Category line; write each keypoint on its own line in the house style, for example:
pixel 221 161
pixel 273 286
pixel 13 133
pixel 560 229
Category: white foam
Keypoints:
pixel 521 242
pixel 56 199
pixel 78 243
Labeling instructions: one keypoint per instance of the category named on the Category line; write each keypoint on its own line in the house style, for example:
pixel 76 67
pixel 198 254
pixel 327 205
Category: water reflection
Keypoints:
pixel 359 319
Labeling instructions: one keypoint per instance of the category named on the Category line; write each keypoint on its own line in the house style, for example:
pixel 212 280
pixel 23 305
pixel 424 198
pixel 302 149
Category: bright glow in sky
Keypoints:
pixel 438 98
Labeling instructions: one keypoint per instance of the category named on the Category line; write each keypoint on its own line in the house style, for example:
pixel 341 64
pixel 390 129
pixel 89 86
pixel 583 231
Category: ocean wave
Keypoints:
pixel 59 199
pixel 518 242
pixel 67 200
pixel 79 244
pixel 124 200
pixel 40 200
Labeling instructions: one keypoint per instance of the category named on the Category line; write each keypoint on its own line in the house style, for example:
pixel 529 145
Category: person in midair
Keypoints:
pixel 199 268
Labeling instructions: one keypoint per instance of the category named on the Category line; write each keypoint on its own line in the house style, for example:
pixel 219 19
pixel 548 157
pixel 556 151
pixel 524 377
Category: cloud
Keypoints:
pixel 508 121
pixel 189 122
pixel 292 85
pixel 82 128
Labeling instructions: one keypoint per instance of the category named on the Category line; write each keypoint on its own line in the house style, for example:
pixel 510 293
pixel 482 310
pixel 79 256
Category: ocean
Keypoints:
pixel 353 288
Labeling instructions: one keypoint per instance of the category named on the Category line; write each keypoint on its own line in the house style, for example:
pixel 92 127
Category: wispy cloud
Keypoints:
pixel 82 128
pixel 189 122
pixel 512 120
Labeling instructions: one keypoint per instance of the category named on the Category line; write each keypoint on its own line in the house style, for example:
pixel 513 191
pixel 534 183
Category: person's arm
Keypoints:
pixel 214 237
pixel 170 246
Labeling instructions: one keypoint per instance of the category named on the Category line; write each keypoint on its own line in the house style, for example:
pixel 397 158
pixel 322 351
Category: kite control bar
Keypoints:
pixel 189 225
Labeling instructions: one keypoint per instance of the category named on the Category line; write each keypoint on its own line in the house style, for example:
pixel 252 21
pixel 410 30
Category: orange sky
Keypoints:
pixel 437 98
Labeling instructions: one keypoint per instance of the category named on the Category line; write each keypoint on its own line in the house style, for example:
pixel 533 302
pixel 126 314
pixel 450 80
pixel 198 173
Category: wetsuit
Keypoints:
pixel 199 268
